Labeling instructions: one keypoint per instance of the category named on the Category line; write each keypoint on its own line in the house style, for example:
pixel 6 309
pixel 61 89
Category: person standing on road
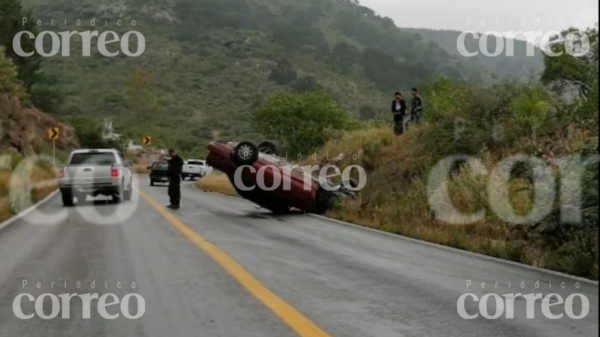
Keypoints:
pixel 416 111
pixel 398 111
pixel 174 172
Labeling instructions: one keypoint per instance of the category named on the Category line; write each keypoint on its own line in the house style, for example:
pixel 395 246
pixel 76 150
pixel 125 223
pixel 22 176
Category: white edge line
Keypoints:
pixel 435 245
pixel 465 252
pixel 30 209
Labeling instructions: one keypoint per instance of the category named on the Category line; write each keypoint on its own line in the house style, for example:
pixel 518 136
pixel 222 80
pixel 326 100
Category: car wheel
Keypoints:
pixel 80 197
pixel 67 199
pixel 127 194
pixel 267 148
pixel 116 199
pixel 119 195
pixel 245 153
pixel 151 182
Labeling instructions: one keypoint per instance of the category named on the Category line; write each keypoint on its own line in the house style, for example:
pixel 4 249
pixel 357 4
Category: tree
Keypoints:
pixel 89 132
pixel 9 81
pixel 11 23
pixel 568 71
pixel 301 121
pixel 47 98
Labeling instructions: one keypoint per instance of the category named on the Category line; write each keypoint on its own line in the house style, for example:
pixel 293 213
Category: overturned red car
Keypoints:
pixel 280 187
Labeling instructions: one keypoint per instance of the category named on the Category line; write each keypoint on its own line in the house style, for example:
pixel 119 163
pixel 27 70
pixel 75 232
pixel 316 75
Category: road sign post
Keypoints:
pixel 53 134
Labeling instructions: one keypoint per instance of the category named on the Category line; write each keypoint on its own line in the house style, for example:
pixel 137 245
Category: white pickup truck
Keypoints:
pixel 95 172
pixel 195 168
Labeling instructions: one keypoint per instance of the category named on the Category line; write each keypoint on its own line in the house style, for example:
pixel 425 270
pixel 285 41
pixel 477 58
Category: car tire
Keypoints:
pixel 267 148
pixel 116 199
pixel 80 197
pixel 67 199
pixel 245 153
pixel 127 194
pixel 151 182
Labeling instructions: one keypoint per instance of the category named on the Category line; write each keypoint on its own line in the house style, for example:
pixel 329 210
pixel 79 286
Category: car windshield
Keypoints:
pixel 199 163
pixel 160 166
pixel 94 158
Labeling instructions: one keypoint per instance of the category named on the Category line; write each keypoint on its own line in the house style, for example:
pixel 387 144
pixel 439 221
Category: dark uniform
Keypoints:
pixel 416 111
pixel 174 171
pixel 399 111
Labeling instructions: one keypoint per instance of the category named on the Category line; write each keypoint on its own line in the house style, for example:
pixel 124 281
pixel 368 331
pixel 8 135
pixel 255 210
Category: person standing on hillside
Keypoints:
pixel 398 111
pixel 416 111
pixel 174 172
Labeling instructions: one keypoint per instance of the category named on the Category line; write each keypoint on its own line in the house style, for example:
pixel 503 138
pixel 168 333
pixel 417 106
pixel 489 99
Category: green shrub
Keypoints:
pixel 301 121
pixel 9 81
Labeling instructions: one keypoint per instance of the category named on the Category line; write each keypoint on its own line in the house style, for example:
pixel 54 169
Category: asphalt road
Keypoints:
pixel 222 267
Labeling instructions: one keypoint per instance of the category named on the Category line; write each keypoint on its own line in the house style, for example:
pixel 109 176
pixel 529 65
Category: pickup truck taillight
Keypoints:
pixel 61 173
pixel 114 172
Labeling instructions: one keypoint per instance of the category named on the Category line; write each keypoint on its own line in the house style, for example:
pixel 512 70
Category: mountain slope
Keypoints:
pixel 23 129
pixel 520 66
pixel 207 63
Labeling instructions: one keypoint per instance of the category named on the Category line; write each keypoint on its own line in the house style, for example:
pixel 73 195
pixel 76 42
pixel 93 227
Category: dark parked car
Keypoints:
pixel 158 172
pixel 227 157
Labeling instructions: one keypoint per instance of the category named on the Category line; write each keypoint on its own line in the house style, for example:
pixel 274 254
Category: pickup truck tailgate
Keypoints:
pixel 91 168
pixel 192 169
pixel 84 175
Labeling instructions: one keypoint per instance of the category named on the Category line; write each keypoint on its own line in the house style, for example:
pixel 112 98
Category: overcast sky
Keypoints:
pixel 499 15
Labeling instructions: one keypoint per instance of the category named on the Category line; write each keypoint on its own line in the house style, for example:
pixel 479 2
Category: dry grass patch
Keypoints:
pixel 395 199
pixel 141 169
pixel 216 182
pixel 40 183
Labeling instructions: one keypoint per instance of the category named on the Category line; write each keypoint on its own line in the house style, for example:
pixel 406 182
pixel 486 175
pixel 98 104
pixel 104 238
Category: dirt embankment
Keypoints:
pixel 24 129
pixel 24 133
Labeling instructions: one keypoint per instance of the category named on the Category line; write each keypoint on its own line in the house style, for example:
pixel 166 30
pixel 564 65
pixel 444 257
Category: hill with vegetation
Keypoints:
pixel 209 63
pixel 553 140
pixel 23 135
pixel 398 198
pixel 531 123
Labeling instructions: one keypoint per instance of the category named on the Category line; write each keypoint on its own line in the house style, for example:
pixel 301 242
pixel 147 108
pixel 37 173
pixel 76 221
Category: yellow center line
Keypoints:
pixel 301 324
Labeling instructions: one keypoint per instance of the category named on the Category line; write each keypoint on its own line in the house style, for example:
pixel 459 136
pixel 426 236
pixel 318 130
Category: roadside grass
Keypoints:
pixel 396 200
pixel 40 183
pixel 5 210
pixel 140 169
pixel 216 182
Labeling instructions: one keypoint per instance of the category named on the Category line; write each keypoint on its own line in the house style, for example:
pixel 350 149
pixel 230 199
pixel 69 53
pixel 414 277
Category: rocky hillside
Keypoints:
pixel 23 129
